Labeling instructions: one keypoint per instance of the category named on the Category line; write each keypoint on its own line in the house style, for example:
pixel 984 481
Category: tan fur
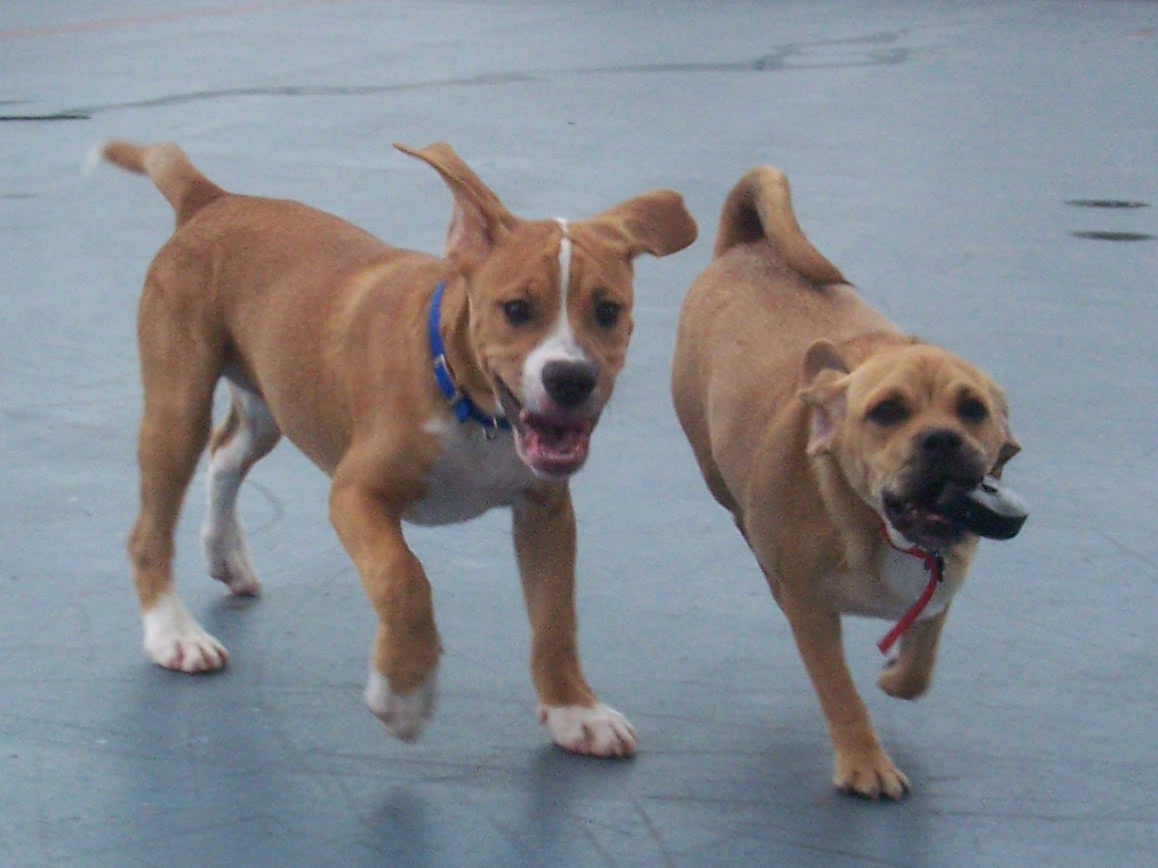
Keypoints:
pixel 327 325
pixel 778 362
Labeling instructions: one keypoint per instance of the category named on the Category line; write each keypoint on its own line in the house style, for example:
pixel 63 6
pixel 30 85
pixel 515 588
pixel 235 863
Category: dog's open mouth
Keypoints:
pixel 921 521
pixel 553 445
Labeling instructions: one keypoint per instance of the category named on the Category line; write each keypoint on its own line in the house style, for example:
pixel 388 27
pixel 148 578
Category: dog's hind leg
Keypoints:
pixel 248 434
pixel 179 370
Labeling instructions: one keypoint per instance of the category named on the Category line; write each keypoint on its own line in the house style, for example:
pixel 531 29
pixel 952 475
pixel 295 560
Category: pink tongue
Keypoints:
pixel 546 442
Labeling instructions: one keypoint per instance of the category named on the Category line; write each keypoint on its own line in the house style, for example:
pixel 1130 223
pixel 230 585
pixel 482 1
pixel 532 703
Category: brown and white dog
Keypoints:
pixel 430 390
pixel 829 435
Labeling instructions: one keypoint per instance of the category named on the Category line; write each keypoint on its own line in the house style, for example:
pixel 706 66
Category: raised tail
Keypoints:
pixel 179 181
pixel 760 207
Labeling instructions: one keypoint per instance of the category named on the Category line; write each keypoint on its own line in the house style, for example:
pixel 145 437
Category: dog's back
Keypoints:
pixel 751 315
pixel 242 273
pixel 767 272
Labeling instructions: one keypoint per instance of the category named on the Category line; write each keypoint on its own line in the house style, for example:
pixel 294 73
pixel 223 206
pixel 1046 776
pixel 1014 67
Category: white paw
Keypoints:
pixel 173 639
pixel 404 715
pixel 597 731
pixel 228 557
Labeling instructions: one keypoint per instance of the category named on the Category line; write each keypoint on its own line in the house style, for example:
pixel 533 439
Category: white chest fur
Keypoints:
pixel 477 471
pixel 906 577
pixel 889 590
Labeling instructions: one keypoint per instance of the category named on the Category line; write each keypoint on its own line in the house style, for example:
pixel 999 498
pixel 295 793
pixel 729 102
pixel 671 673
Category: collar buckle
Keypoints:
pixel 445 379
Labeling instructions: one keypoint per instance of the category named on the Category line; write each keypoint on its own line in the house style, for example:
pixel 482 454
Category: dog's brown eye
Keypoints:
pixel 888 412
pixel 517 312
pixel 607 313
pixel 972 410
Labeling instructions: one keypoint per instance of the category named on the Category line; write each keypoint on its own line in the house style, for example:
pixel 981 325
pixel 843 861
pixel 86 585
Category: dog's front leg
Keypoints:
pixel 544 530
pixel 861 765
pixel 402 684
pixel 909 675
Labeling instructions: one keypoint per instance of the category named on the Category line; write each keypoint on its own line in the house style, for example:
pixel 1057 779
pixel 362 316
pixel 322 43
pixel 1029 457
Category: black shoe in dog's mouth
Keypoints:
pixel 553 445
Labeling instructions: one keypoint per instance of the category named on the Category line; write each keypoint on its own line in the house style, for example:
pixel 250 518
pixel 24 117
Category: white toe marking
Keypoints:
pixel 597 731
pixel 404 715
pixel 173 639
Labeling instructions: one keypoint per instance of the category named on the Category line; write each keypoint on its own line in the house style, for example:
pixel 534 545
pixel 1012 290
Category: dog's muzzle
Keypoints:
pixel 913 504
pixel 554 441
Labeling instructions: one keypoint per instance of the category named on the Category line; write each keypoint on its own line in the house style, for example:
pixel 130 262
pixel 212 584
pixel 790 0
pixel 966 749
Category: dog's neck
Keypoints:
pixel 861 545
pixel 461 358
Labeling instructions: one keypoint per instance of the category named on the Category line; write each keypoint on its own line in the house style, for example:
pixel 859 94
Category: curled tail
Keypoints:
pixel 179 181
pixel 760 207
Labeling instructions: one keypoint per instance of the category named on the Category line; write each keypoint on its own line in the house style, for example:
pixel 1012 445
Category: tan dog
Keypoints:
pixel 423 405
pixel 828 434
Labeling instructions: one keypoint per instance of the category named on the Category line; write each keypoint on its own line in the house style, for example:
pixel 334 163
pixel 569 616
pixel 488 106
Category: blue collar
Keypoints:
pixel 464 408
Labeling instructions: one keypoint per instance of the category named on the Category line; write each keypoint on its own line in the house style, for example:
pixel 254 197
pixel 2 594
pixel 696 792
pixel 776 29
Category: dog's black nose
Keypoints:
pixel 569 383
pixel 940 441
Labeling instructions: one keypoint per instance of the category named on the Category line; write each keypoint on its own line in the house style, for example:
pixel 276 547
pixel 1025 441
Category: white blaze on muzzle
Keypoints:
pixel 559 344
pixel 565 248
pixel 552 436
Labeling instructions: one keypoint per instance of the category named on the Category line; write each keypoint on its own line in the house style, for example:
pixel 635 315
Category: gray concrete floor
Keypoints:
pixel 933 148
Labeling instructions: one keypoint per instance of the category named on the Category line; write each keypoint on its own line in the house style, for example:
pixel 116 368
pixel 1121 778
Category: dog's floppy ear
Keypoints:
pixel 657 223
pixel 1010 446
pixel 824 386
pixel 480 220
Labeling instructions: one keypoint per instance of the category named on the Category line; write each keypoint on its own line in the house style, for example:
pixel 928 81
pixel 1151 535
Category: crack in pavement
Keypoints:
pixel 874 49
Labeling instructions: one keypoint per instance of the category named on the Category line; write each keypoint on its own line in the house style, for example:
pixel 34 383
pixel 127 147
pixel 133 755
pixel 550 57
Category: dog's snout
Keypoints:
pixel 569 383
pixel 940 441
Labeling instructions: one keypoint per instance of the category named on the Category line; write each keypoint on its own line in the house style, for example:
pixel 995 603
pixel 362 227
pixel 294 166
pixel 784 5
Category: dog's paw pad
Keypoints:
pixel 870 777
pixel 404 715
pixel 903 682
pixel 174 640
pixel 598 730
